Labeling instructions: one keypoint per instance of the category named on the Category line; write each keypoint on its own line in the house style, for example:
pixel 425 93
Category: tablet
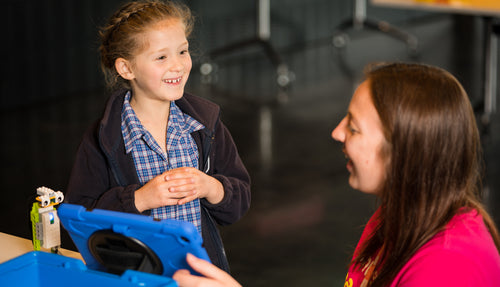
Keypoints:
pixel 113 242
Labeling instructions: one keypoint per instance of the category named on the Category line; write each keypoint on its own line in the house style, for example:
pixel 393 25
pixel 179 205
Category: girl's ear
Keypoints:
pixel 124 69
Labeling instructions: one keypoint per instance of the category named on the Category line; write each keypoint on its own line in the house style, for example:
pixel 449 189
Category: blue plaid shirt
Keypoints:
pixel 150 160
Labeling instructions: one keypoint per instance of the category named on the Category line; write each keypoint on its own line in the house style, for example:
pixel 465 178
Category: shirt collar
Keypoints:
pixel 132 129
pixel 182 122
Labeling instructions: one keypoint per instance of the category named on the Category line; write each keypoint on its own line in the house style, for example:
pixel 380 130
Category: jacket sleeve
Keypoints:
pixel 227 167
pixel 92 183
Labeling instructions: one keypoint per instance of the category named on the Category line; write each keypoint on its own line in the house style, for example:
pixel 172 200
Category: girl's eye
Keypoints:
pixel 184 52
pixel 161 58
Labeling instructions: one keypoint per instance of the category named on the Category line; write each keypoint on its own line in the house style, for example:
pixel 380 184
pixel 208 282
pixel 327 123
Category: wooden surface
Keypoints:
pixel 472 7
pixel 14 246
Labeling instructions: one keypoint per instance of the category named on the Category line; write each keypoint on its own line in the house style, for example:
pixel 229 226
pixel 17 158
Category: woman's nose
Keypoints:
pixel 338 133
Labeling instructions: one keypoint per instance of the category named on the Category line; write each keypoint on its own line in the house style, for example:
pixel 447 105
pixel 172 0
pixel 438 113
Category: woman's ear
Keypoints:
pixel 124 69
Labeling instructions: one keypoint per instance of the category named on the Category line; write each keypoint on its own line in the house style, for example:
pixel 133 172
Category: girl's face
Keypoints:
pixel 160 71
pixel 363 138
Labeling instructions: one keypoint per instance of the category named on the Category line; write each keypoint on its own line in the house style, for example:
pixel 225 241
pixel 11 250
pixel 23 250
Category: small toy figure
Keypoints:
pixel 44 220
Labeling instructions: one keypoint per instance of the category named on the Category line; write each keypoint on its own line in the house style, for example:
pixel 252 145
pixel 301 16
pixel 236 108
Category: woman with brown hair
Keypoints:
pixel 430 228
pixel 410 137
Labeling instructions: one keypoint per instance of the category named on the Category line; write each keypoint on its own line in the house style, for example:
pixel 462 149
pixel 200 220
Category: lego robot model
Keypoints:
pixel 44 220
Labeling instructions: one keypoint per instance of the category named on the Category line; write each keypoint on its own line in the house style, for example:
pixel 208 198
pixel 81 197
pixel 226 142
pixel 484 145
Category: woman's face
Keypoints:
pixel 362 135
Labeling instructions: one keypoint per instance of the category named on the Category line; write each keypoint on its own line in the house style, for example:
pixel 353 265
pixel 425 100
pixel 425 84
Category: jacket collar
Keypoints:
pixel 110 136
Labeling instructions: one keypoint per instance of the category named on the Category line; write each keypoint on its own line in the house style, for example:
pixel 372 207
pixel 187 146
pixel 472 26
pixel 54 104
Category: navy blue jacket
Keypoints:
pixel 104 176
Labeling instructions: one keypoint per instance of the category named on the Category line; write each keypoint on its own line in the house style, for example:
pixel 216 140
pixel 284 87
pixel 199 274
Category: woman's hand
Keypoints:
pixel 214 277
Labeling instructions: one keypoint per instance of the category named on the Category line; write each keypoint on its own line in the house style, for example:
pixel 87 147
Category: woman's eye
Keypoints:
pixel 351 129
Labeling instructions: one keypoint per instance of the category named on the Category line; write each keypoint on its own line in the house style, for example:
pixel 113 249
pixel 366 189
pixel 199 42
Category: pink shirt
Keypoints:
pixel 463 254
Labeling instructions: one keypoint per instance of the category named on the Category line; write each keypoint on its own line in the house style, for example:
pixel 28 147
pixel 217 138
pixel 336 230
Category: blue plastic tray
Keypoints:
pixel 41 269
pixel 99 233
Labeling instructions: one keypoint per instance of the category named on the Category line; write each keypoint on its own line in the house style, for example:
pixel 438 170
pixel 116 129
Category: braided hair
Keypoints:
pixel 121 36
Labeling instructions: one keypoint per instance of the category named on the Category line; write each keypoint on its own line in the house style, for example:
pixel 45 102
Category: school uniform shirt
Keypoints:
pixel 463 254
pixel 104 175
pixel 150 160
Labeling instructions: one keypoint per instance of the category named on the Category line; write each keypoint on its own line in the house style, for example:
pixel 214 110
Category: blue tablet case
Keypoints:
pixel 113 241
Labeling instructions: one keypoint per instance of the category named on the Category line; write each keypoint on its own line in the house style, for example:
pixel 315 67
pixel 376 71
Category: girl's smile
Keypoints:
pixel 173 81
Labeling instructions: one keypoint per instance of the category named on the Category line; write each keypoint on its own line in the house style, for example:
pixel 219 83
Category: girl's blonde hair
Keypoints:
pixel 121 36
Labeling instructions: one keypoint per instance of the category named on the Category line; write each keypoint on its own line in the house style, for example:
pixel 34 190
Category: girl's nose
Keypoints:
pixel 176 64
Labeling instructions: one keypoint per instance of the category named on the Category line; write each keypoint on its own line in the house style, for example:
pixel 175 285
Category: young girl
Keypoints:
pixel 410 137
pixel 157 150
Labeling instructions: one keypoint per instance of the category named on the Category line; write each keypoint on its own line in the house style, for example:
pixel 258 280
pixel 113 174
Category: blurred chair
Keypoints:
pixel 263 34
pixel 360 21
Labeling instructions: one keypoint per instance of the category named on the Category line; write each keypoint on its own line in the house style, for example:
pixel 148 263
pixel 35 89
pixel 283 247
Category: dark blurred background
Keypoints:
pixel 280 101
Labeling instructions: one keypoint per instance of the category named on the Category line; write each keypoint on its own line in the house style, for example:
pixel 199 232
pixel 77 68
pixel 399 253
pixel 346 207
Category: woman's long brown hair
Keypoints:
pixel 435 165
